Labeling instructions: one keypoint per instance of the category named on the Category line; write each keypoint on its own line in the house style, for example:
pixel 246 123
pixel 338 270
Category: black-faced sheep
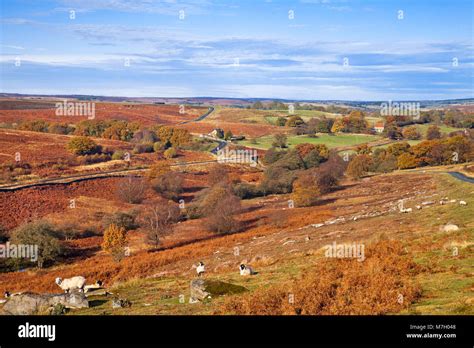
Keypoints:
pixel 73 283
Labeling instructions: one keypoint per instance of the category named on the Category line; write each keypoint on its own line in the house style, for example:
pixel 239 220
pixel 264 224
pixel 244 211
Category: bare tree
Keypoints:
pixel 158 221
pixel 131 190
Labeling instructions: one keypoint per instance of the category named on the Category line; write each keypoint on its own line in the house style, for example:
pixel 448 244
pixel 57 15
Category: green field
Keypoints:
pixel 331 141
pixel 422 128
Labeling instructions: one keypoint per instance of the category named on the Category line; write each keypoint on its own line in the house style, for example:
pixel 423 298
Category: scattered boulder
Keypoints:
pixel 449 228
pixel 30 303
pixel 120 303
pixel 202 289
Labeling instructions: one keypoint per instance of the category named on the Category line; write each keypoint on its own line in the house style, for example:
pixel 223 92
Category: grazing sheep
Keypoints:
pixel 246 270
pixel 418 207
pixel 408 210
pixel 442 202
pixel 68 284
pixel 462 203
pixel 200 269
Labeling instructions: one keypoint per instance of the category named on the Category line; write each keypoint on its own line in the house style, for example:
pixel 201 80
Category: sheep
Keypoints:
pixel 7 294
pixel 246 270
pixel 98 284
pixel 200 269
pixel 418 207
pixel 409 210
pixel 462 203
pixel 68 284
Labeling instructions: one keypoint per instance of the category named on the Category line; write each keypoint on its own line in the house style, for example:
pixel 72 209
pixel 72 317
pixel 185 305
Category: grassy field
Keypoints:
pixel 331 141
pixel 422 128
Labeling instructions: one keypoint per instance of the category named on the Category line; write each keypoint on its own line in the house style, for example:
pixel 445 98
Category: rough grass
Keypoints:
pixel 380 284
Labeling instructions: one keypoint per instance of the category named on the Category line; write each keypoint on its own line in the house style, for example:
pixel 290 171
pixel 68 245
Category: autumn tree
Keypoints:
pixel 433 132
pixel 305 191
pixel 294 121
pixel 83 146
pixel 337 126
pixel 411 133
pixel 359 166
pixel 406 160
pixel 114 241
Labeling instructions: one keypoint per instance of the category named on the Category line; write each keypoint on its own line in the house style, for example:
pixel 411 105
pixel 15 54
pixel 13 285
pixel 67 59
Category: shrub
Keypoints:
pixel 118 155
pixel 411 133
pixel 114 242
pixel 359 166
pixel 34 126
pixel 279 140
pixel 247 191
pixel 294 121
pixel 277 180
pixel 121 220
pixel 83 146
pixel 433 132
pixel 406 161
pixel 221 219
pixel 161 146
pixel 305 191
pixel 42 234
pixel 143 148
pixel 228 135
pixel 281 121
pixel 170 153
pixel 131 190
pixel 169 185
pixel 272 155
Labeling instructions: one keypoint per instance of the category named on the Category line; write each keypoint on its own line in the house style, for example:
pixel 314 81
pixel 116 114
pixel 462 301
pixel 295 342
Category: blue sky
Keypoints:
pixel 300 49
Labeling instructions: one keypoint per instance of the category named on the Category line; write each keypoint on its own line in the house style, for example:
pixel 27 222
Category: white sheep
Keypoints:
pixel 98 285
pixel 69 284
pixel 462 203
pixel 246 270
pixel 418 207
pixel 200 269
pixel 7 294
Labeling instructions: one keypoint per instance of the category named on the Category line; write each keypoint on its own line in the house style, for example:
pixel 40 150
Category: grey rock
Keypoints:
pixel 202 289
pixel 30 303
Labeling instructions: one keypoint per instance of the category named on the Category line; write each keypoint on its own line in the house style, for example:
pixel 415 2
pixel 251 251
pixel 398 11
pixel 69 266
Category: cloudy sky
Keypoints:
pixel 300 49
